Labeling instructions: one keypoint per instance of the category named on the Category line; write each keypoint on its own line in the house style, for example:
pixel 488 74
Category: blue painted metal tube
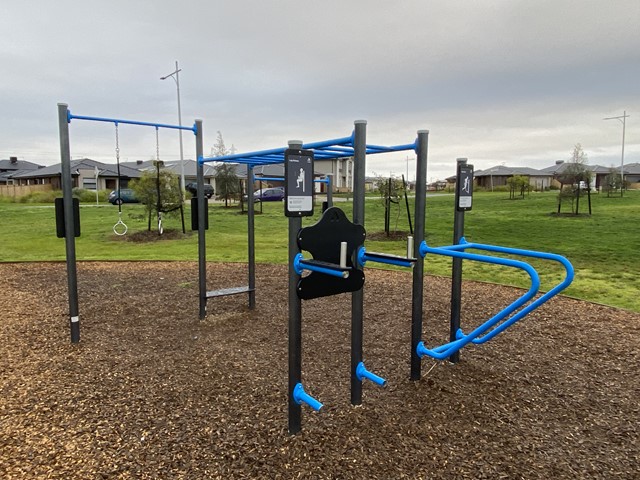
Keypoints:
pixel 363 258
pixel 300 266
pixel 538 301
pixel 269 179
pixel 444 351
pixel 300 397
pixel 70 117
pixel 362 373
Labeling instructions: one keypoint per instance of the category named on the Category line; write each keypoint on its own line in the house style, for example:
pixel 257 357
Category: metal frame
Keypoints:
pixel 64 119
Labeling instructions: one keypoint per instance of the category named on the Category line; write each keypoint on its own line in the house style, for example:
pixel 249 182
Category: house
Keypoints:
pixel 632 174
pixel 85 173
pixel 499 175
pixel 13 166
pixel 341 171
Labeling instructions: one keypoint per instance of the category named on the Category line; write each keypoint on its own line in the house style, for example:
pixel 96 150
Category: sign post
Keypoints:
pixel 298 183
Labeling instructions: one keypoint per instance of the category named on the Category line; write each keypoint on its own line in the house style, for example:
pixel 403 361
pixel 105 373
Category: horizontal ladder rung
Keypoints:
pixel 229 291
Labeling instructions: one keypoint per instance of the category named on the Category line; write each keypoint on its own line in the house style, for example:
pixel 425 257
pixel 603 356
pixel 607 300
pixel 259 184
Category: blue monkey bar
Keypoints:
pixel 457 251
pixel 386 258
pixel 117 121
pixel 324 150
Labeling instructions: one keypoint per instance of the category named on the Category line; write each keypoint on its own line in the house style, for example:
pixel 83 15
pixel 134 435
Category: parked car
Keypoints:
pixel 126 196
pixel 274 194
pixel 192 188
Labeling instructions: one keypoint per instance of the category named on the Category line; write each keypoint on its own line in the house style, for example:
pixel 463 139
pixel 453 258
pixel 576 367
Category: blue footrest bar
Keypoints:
pixel 300 397
pixel 493 326
pixel 362 373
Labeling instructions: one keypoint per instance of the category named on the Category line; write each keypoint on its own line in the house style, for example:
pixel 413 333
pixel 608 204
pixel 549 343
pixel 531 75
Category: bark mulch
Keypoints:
pixel 150 392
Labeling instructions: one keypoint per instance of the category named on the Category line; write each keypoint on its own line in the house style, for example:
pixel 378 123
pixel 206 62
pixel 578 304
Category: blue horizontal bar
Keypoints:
pixel 446 350
pixel 70 117
pixel 363 258
pixel 299 265
pixel 269 179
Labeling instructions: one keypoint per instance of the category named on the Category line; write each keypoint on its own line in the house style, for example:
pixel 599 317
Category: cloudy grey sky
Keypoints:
pixel 514 82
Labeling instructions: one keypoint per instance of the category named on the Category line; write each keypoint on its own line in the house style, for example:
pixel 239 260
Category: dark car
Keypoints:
pixel 274 194
pixel 126 196
pixel 192 188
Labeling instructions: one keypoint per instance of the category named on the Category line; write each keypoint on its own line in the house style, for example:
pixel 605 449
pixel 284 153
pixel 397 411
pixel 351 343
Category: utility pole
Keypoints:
pixel 176 78
pixel 622 119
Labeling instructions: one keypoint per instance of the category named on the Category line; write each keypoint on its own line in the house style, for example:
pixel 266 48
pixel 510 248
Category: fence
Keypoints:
pixel 21 190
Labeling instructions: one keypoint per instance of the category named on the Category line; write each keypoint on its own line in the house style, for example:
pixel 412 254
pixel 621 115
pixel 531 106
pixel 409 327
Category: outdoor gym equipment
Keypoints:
pixel 71 222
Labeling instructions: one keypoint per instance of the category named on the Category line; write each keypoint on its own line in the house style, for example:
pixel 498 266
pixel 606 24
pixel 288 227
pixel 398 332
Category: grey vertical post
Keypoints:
pixel 418 269
pixel 329 190
pixel 251 238
pixel 295 320
pixel 357 298
pixel 456 267
pixel 69 225
pixel 202 245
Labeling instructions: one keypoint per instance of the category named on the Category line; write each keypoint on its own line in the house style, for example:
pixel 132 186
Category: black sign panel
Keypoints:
pixel 298 183
pixel 464 188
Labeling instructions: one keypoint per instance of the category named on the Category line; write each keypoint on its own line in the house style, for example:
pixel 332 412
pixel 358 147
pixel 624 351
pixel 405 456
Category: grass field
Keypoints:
pixel 604 248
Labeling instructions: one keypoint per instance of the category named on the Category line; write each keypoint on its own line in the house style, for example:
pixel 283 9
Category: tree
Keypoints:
pixel 162 181
pixel 612 182
pixel 219 149
pixel 227 182
pixel 575 180
pixel 518 183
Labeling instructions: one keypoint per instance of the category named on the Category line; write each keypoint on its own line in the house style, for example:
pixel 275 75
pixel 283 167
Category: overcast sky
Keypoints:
pixel 513 82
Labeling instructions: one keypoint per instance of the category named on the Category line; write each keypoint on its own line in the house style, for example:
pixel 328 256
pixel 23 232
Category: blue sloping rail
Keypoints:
pixel 324 150
pixel 496 324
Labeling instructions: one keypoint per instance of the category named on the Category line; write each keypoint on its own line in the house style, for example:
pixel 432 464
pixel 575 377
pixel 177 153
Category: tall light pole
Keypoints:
pixel 176 78
pixel 622 119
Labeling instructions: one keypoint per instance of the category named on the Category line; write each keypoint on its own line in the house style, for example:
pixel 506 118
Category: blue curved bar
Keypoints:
pixel 70 117
pixel 300 265
pixel 362 373
pixel 300 397
pixel 363 258
pixel 570 274
pixel 446 350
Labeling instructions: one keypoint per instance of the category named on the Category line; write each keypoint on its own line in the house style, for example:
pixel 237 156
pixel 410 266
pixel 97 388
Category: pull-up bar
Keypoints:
pixel 117 121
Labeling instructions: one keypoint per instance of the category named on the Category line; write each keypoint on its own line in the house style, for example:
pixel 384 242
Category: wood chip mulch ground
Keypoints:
pixel 150 392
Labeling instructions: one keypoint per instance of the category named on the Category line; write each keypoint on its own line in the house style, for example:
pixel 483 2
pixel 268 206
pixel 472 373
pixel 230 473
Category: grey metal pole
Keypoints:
pixel 456 267
pixel 69 225
pixel 295 320
pixel 329 190
pixel 418 269
pixel 251 238
pixel 357 298
pixel 202 245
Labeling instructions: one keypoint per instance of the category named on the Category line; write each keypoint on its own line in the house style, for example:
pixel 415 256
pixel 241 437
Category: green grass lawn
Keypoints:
pixel 604 248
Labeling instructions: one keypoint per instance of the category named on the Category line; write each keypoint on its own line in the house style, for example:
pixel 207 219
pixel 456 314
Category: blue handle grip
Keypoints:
pixel 300 397
pixel 362 372
pixel 300 265
pixel 364 257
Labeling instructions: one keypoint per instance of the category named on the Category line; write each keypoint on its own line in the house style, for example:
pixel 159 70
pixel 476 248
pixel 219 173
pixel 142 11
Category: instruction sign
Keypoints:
pixel 464 187
pixel 298 181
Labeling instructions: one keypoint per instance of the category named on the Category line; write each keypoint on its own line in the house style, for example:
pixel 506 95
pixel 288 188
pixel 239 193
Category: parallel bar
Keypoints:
pixel 202 245
pixel 357 298
pixel 418 269
pixel 223 292
pixel 70 117
pixel 69 225
pixel 386 258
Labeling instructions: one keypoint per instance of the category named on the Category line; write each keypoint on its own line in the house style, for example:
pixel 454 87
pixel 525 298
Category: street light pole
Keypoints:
pixel 622 119
pixel 176 77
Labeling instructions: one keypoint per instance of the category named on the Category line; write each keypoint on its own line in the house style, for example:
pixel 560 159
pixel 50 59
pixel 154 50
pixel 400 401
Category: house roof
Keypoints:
pixel 105 170
pixel 190 167
pixel 18 165
pixel 504 171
